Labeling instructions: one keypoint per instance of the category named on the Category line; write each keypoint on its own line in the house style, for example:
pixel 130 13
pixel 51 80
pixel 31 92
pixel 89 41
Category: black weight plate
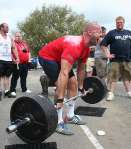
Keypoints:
pixel 99 90
pixel 44 113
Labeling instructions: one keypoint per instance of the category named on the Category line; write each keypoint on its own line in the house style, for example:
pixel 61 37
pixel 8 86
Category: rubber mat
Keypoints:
pixel 49 145
pixel 90 111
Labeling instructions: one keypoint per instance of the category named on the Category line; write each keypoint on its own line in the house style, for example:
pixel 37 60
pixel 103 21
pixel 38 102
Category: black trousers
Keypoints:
pixel 17 73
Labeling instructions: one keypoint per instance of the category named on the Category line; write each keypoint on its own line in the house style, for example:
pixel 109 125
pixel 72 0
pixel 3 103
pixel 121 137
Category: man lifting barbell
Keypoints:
pixel 57 59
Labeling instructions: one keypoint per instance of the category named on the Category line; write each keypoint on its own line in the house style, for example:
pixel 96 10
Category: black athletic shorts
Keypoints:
pixel 6 68
pixel 52 69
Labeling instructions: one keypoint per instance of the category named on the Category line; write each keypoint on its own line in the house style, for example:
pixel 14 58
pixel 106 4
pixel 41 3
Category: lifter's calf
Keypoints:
pixel 72 87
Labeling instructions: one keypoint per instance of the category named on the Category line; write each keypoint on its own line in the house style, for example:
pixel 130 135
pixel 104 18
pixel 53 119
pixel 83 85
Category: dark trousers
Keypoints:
pixel 21 72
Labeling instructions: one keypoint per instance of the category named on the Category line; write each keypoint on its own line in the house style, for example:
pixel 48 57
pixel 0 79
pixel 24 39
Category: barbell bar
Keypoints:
pixel 34 118
pixel 19 123
pixel 89 91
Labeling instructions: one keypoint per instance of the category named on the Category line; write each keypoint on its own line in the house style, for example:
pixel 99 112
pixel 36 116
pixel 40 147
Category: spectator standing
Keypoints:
pixel 7 47
pixel 90 63
pixel 20 70
pixel 100 58
pixel 119 40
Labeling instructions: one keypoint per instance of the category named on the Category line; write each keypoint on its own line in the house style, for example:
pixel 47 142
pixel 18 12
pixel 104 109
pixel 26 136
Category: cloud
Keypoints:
pixel 102 11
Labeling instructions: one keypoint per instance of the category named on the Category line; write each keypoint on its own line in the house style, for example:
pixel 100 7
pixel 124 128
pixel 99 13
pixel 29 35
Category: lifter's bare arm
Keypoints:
pixel 80 74
pixel 63 79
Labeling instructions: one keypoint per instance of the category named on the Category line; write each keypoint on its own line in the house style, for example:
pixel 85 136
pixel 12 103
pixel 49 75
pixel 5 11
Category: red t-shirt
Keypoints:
pixel 23 56
pixel 68 47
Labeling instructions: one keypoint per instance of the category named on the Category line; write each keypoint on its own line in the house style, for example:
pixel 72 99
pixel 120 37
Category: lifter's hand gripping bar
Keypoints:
pixel 89 91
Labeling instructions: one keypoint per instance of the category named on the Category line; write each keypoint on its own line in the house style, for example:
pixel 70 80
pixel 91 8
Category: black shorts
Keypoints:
pixel 6 68
pixel 52 69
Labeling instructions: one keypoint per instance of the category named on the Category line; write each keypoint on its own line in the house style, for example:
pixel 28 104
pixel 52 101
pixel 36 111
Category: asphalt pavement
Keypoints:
pixel 115 121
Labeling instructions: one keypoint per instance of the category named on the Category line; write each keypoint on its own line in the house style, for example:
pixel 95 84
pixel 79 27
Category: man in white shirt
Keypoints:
pixel 7 47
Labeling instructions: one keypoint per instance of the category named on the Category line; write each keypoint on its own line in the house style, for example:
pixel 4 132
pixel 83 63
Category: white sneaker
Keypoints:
pixel 129 94
pixel 28 91
pixel 110 96
pixel 13 93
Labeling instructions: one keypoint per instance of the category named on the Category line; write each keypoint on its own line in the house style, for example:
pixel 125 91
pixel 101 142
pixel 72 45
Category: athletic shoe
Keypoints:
pixel 12 95
pixel 45 94
pixel 75 120
pixel 6 93
pixel 63 129
pixel 110 96
pixel 129 94
pixel 28 91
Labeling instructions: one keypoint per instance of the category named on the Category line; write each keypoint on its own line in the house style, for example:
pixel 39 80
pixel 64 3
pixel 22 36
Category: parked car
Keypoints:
pixel 34 64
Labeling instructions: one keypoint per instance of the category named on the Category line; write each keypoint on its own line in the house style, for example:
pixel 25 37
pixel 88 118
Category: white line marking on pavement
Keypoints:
pixel 91 137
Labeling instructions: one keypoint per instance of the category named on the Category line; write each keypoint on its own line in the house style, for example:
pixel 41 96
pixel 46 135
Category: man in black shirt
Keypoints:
pixel 119 40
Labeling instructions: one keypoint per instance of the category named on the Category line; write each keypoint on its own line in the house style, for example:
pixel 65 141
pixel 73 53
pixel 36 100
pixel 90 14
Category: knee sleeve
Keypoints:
pixel 44 80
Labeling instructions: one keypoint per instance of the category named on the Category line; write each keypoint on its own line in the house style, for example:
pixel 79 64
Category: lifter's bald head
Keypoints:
pixel 91 33
pixel 91 26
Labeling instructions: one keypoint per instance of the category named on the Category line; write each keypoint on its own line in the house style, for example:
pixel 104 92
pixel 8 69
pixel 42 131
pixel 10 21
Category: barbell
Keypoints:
pixel 34 118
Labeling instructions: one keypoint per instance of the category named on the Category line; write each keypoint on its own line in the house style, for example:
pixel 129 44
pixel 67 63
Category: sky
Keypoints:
pixel 102 11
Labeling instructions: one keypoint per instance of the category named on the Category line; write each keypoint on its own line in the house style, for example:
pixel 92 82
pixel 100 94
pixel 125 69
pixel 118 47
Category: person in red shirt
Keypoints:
pixel 21 69
pixel 57 59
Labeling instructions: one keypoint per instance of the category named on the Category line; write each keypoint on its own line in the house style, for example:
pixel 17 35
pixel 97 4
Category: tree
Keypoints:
pixel 49 23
